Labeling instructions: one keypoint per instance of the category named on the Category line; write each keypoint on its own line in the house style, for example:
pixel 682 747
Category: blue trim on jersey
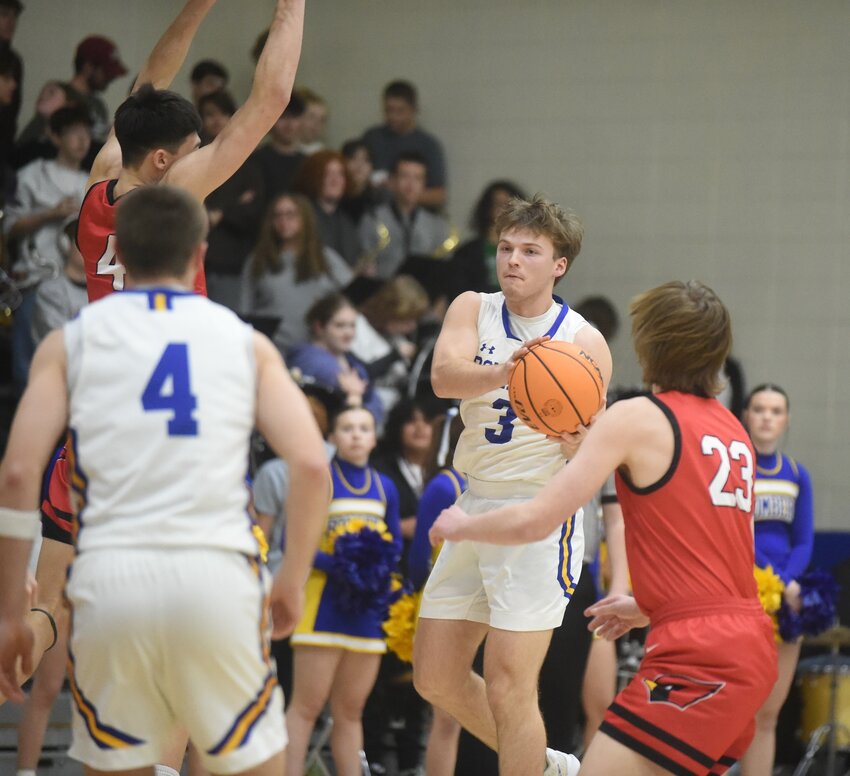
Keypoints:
pixel 163 293
pixel 506 320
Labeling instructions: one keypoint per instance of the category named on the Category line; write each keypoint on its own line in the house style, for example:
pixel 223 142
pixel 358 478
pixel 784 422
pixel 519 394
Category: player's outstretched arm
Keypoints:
pixel 39 421
pixel 455 374
pixel 162 65
pixel 205 170
pixel 286 422
pixel 615 538
pixel 169 53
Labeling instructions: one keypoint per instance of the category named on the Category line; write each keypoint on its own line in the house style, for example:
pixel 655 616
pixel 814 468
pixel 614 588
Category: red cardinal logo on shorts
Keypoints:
pixel 679 690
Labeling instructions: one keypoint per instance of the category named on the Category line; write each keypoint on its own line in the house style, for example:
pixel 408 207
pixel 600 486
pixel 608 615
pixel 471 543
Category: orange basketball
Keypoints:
pixel 555 388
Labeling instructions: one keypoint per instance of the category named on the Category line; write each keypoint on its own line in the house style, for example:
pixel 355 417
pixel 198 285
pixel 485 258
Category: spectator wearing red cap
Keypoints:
pixel 96 65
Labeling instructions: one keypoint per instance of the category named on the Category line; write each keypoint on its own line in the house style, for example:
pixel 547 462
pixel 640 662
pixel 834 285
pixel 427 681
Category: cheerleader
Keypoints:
pixel 784 534
pixel 337 645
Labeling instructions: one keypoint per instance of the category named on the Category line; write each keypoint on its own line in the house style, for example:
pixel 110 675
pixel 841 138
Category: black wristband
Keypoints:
pixel 52 625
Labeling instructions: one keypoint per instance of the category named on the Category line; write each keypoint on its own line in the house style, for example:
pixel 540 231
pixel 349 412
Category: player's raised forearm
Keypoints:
pixel 278 62
pixel 170 51
pixel 459 378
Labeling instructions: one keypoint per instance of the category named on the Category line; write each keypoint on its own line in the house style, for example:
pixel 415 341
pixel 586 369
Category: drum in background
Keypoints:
pixel 815 678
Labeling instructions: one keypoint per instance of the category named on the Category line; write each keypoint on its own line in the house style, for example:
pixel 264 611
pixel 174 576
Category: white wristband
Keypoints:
pixel 20 523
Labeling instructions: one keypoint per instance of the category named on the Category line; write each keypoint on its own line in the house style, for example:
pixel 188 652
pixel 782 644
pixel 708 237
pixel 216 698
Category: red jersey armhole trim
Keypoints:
pixel 677 453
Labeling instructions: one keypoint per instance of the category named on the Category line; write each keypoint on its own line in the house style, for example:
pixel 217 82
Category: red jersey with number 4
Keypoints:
pixel 96 241
pixel 690 535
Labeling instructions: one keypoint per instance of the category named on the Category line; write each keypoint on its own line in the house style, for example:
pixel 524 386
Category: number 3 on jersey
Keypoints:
pixel 503 434
pixel 169 390
pixel 737 451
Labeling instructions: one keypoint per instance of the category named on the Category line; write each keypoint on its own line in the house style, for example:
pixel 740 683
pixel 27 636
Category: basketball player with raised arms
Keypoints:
pixel 512 597
pixel 155 140
pixel 169 598
pixel 685 469
pixel 155 135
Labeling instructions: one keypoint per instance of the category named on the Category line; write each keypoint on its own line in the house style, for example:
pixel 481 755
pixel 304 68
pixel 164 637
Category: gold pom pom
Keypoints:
pixel 400 626
pixel 770 589
pixel 354 525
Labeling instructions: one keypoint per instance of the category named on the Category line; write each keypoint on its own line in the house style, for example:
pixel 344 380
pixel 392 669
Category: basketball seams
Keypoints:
pixel 580 361
pixel 558 383
pixel 531 403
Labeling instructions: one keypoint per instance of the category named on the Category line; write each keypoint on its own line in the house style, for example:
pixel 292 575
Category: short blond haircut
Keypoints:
pixel 542 217
pixel 682 335
pixel 402 298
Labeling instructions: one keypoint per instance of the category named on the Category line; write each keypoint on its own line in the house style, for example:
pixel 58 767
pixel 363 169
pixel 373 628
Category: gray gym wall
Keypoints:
pixel 696 139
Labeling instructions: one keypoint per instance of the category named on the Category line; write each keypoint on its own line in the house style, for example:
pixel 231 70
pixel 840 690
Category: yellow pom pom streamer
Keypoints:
pixel 263 545
pixel 400 626
pixel 770 589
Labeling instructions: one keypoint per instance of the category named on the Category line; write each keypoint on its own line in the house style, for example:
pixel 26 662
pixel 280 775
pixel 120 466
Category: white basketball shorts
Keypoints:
pixel 520 588
pixel 166 636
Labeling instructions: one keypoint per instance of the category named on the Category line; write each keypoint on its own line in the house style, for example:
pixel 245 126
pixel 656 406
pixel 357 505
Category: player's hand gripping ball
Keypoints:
pixel 555 388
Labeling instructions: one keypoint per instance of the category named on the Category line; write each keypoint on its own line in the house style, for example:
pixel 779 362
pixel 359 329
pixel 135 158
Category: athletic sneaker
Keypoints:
pixel 561 764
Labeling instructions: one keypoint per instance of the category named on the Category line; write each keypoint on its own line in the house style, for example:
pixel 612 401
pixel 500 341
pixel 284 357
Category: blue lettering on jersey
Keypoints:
pixel 489 350
pixel 503 434
pixel 174 364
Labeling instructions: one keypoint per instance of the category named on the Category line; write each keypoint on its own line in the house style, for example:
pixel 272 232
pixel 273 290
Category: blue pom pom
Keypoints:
pixel 818 597
pixel 361 571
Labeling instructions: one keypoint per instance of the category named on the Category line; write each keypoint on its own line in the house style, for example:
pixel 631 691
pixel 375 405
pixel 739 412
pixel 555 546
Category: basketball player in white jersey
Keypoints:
pixel 160 389
pixel 512 598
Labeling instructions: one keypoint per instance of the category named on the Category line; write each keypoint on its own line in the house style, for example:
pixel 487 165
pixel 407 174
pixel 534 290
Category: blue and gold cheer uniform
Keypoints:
pixel 360 494
pixel 783 512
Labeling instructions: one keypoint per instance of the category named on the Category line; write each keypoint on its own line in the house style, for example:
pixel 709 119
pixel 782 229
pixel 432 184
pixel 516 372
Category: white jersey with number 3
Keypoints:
pixel 162 387
pixel 496 448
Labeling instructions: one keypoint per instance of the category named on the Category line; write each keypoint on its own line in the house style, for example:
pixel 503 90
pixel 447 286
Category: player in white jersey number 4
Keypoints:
pixel 512 599
pixel 161 389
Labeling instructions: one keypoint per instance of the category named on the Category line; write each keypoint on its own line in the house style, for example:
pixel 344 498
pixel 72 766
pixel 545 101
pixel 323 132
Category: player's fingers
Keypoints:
pixel 609 634
pixel 599 608
pixel 600 621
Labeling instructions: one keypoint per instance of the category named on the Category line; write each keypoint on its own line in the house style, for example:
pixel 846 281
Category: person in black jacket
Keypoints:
pixel 473 265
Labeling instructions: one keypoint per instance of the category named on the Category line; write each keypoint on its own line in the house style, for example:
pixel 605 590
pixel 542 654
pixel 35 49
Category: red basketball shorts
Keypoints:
pixel 706 671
